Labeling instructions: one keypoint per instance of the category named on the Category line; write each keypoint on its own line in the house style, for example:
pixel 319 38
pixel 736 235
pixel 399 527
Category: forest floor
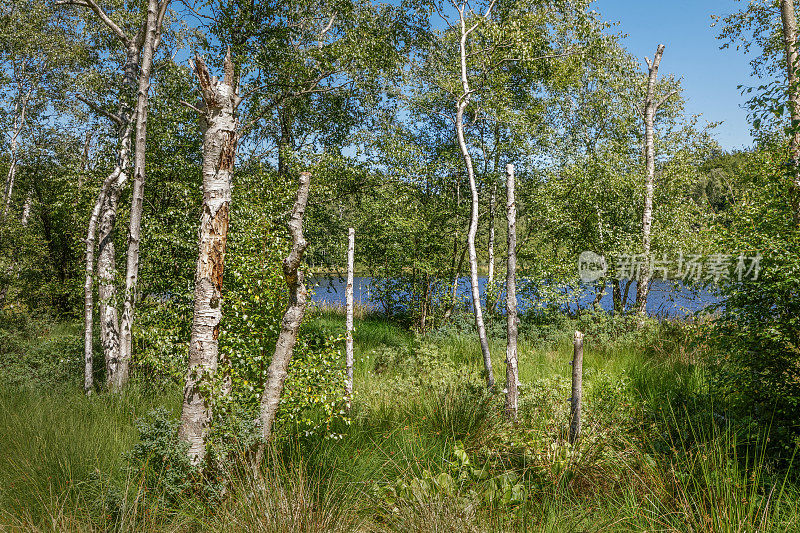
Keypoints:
pixel 426 447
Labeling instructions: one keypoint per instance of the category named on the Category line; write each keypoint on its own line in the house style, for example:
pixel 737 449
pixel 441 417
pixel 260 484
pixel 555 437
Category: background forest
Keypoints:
pixel 179 179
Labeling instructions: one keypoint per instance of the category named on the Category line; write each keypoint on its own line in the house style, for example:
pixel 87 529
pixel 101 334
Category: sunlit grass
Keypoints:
pixel 662 461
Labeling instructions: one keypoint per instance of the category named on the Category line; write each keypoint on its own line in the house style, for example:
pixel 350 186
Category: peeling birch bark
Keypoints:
pixel 219 125
pixel 512 370
pixel 292 318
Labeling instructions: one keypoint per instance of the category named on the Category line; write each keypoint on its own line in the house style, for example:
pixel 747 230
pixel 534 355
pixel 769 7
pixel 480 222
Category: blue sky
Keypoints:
pixel 710 75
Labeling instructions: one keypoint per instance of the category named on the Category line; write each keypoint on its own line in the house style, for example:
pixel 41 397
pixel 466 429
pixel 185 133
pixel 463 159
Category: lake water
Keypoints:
pixel 667 299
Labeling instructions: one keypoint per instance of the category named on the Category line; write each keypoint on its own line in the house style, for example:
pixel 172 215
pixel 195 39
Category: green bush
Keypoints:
pixel 38 351
pixel 160 459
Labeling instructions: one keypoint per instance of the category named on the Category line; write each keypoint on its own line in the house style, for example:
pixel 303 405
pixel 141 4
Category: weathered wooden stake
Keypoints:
pixel 349 320
pixel 577 389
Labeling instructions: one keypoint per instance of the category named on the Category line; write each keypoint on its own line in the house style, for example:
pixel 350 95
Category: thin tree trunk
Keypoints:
pixel 789 21
pixel 107 271
pixel 20 109
pixel 461 107
pixel 351 239
pixel 490 289
pixel 219 125
pixel 650 108
pixel 298 296
pixel 88 287
pixel 152 38
pixel 625 294
pixel 13 269
pixel 457 264
pixel 512 372
pixel 103 220
pixel 577 389
pixel 106 250
pixel 617 296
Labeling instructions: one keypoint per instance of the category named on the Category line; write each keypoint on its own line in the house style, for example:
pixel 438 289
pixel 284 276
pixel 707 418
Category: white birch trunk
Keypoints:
pixel 106 268
pixel 512 370
pixel 650 108
pixel 491 290
pixel 13 269
pixel 219 125
pixel 152 37
pixel 20 110
pixel 349 320
pixel 461 107
pixel 789 23
pixel 490 247
pixel 292 318
pixel 91 244
pixel 103 217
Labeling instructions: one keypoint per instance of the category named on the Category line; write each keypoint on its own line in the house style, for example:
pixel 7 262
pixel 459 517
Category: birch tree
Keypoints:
pixel 651 105
pixel 100 232
pixel 490 77
pixel 465 29
pixel 512 370
pixel 789 24
pixel 153 28
pixel 292 318
pixel 351 237
pixel 219 124
pixel 139 50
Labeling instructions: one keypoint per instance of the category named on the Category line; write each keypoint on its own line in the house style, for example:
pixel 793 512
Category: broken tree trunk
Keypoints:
pixel 651 106
pixel 512 371
pixel 292 318
pixel 152 38
pixel 461 107
pixel 220 134
pixel 349 320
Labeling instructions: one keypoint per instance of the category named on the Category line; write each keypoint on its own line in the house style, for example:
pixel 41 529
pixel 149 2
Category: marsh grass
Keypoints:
pixel 656 455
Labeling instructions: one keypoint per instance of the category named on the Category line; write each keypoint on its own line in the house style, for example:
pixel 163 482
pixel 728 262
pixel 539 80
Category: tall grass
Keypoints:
pixel 656 455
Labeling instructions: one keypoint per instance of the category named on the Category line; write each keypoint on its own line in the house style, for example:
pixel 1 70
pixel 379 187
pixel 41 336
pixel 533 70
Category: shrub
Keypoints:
pixel 160 459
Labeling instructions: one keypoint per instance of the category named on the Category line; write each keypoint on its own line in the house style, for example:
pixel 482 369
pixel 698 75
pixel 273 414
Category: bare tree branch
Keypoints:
pixel 91 4
pixel 116 119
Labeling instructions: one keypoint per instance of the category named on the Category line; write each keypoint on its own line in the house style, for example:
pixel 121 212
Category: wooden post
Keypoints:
pixel 349 320
pixel 577 389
